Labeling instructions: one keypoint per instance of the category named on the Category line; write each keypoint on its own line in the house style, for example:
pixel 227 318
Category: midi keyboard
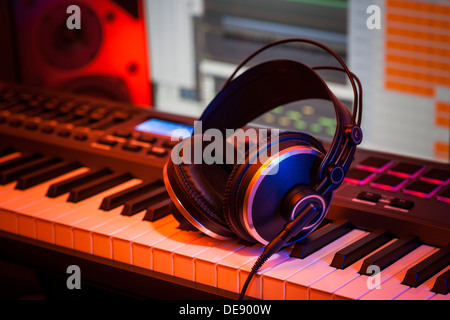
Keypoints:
pixel 80 185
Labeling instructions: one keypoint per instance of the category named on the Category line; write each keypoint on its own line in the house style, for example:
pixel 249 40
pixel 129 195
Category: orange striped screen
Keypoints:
pixel 417 41
pixel 442 111
pixel 442 150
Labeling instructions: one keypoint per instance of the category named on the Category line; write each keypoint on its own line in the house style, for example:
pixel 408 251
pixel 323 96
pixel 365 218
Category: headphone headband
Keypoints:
pixel 267 86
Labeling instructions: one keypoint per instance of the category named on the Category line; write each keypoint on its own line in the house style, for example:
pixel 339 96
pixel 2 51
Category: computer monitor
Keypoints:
pixel 399 49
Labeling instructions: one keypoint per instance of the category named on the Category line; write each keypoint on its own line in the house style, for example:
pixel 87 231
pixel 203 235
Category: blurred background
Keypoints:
pixel 174 55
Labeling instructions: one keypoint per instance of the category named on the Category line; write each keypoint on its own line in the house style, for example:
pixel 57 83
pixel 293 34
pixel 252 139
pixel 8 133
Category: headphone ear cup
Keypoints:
pixel 255 191
pixel 197 189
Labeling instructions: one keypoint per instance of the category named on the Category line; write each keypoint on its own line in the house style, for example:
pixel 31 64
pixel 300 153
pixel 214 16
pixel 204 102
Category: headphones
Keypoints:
pixel 284 198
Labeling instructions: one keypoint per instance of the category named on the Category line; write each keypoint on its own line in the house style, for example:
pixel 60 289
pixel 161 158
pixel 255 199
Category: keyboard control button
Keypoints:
pixel 31 125
pixel 359 176
pixel 388 182
pixel 146 139
pixel 48 129
pixel 132 147
pixel 422 189
pixel 369 196
pixel 80 136
pixel 122 134
pixel 64 133
pixel 121 115
pixel 107 142
pixel 156 151
pixel 375 164
pixel 437 176
pixel 401 204
pixel 406 170
pixel 15 122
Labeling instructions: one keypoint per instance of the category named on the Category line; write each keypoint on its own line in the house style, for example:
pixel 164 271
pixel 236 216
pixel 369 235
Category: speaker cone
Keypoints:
pixel 66 48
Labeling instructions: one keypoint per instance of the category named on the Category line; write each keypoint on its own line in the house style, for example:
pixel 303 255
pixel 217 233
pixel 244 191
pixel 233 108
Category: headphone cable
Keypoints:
pixel 290 230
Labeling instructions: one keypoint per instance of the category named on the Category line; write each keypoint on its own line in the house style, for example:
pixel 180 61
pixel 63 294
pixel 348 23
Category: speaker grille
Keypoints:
pixel 69 49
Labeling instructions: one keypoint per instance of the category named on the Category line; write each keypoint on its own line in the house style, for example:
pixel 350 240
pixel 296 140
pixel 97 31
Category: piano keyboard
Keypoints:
pixel 107 212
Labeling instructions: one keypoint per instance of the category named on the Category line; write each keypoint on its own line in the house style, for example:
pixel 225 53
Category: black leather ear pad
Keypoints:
pixel 238 179
pixel 197 188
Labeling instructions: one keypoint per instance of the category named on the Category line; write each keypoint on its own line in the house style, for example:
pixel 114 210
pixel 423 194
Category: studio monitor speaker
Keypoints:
pixel 106 57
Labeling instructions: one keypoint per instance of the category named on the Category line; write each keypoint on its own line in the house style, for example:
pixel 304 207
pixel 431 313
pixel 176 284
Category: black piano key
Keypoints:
pixel 320 238
pixel 14 173
pixel 425 269
pixel 92 188
pixel 442 283
pixel 46 174
pixel 6 151
pixel 62 187
pixel 118 199
pixel 357 250
pixel 158 210
pixel 184 224
pixel 24 158
pixel 142 202
pixel 388 255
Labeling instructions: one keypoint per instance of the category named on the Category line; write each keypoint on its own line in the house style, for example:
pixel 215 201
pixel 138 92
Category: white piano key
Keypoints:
pixel 274 279
pixel 326 286
pixel 25 218
pixel 7 187
pixel 296 286
pixel 359 287
pixel 393 287
pixel 441 297
pixel 45 220
pixel 101 236
pixel 20 199
pixel 205 262
pixel 82 231
pixel 141 246
pixel 228 267
pixel 87 208
pixel 254 288
pixel 183 257
pixel 422 292
pixel 121 241
pixel 162 252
